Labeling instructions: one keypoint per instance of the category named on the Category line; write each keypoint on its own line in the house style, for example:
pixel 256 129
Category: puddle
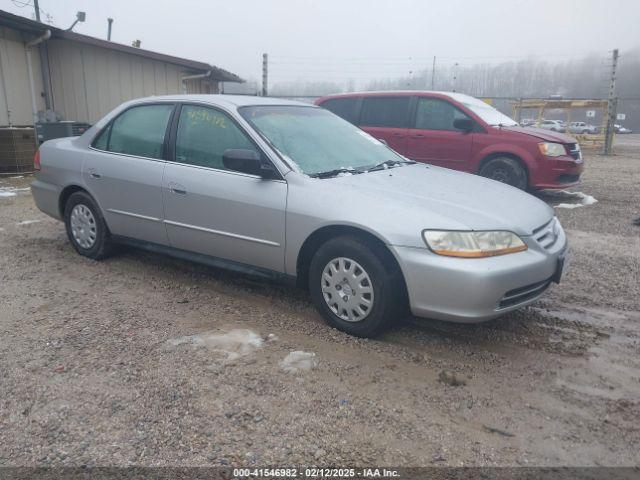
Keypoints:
pixel 568 199
pixel 234 344
pixel 298 361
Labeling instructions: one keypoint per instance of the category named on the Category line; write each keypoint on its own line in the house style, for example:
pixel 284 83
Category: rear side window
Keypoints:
pixel 385 112
pixel 346 108
pixel 138 131
pixel 204 134
pixel 435 114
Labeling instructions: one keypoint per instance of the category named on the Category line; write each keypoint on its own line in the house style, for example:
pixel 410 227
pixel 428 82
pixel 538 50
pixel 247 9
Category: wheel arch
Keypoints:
pixel 510 155
pixel 323 234
pixel 66 193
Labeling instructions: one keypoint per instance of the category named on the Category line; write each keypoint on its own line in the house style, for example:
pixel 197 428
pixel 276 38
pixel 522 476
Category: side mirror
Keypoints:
pixel 247 161
pixel 464 124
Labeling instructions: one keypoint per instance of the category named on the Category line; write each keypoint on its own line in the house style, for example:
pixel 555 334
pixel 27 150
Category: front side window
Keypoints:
pixel 204 134
pixel 316 140
pixel 389 112
pixel 435 114
pixel 138 131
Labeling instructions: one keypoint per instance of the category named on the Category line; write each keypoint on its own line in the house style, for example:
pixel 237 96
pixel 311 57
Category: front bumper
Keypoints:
pixel 474 290
pixel 557 172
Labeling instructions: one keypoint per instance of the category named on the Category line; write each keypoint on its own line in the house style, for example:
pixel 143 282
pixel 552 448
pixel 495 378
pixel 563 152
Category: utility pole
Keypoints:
pixel 455 75
pixel 612 104
pixel 37 8
pixel 433 73
pixel 265 77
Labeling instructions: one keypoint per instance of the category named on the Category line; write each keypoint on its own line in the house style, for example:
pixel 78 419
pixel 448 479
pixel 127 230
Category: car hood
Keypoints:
pixel 547 135
pixel 420 197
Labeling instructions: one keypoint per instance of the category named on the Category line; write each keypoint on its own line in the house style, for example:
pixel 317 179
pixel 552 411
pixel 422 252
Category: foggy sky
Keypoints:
pixel 338 40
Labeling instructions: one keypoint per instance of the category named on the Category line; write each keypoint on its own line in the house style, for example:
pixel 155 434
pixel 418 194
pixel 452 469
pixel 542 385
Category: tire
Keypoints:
pixel 381 285
pixel 86 228
pixel 506 170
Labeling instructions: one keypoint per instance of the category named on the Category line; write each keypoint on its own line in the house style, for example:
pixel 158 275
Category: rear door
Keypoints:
pixel 432 137
pixel 215 211
pixel 387 118
pixel 123 172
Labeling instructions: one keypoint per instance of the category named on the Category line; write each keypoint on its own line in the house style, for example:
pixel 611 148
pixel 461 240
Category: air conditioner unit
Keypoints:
pixel 49 130
pixel 17 148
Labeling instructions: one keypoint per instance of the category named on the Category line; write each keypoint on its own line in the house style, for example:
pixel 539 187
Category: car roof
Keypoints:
pixel 223 100
pixel 460 97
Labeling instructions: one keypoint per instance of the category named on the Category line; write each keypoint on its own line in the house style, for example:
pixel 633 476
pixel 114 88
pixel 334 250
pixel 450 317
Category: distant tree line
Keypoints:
pixel 587 77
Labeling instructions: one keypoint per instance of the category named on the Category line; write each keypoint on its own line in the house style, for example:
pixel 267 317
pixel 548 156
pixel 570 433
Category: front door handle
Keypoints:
pixel 177 188
pixel 417 135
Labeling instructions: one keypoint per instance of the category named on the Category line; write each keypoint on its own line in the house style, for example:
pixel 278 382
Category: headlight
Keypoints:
pixel 473 244
pixel 552 149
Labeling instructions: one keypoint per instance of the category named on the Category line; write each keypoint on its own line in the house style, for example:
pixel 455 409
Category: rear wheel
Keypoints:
pixel 353 289
pixel 86 229
pixel 506 170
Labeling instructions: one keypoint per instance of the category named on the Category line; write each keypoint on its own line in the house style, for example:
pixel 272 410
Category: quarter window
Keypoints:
pixel 385 112
pixel 138 131
pixel 435 114
pixel 204 134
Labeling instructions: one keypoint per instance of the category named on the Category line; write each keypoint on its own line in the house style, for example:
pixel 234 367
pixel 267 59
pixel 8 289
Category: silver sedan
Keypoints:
pixel 287 190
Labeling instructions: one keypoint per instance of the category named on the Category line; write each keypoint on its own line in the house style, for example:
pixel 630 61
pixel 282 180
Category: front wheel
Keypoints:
pixel 506 170
pixel 86 229
pixel 353 289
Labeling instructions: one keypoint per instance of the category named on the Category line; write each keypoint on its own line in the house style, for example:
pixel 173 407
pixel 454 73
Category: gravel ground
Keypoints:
pixel 146 360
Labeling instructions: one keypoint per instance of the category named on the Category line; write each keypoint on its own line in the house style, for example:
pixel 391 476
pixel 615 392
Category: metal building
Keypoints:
pixel 81 78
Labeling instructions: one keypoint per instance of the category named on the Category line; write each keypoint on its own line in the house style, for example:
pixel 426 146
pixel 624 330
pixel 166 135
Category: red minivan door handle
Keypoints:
pixel 417 135
pixel 396 134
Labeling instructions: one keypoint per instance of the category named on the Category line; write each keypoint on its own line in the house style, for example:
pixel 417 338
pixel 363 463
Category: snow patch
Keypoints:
pixel 298 361
pixel 579 199
pixel 234 344
pixel 12 191
pixel 28 222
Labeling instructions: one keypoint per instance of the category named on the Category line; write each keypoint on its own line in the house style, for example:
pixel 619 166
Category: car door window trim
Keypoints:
pixel 109 125
pixel 173 136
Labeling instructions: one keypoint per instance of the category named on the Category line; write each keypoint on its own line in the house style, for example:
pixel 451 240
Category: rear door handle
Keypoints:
pixel 177 188
pixel 93 173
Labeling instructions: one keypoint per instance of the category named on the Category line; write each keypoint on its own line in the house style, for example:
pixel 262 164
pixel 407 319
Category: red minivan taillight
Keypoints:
pixel 36 161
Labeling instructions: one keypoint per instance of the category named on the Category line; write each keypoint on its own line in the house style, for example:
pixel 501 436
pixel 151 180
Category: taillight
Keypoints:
pixel 36 161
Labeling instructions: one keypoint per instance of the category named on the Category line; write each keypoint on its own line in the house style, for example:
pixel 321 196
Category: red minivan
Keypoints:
pixel 457 131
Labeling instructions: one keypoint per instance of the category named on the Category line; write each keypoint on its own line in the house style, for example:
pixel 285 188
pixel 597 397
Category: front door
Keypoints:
pixel 215 211
pixel 123 172
pixel 433 139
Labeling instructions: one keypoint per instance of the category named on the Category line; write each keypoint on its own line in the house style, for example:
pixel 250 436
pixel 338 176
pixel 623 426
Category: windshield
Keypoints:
pixel 485 111
pixel 316 140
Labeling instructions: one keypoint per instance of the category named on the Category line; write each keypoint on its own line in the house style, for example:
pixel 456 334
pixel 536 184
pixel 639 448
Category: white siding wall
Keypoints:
pixel 89 81
pixel 15 94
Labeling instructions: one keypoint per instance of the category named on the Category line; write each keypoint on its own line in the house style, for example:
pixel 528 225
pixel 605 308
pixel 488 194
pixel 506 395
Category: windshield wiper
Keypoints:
pixel 389 164
pixel 334 172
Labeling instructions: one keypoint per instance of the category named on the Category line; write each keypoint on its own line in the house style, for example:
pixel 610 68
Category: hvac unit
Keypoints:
pixel 17 148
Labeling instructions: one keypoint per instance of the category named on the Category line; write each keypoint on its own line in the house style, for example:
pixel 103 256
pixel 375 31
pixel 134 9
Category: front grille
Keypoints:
pixel 547 234
pixel 523 294
pixel 574 150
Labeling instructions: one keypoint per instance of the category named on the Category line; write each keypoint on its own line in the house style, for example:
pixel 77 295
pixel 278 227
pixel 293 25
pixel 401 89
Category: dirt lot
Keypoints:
pixel 95 368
